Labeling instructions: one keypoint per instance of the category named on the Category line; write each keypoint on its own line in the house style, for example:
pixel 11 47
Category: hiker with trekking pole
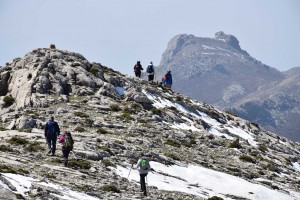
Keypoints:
pixel 143 167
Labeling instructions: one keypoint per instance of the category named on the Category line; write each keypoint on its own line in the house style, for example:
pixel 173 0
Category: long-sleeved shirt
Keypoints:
pixel 142 171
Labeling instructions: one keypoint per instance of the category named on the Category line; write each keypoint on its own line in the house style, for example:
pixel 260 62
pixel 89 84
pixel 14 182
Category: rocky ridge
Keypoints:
pixel 113 118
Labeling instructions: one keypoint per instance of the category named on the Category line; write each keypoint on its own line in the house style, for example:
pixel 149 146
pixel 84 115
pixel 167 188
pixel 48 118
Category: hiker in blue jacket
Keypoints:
pixel 52 131
pixel 167 80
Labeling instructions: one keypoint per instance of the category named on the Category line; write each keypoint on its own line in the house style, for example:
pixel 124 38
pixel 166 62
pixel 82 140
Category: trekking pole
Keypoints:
pixel 130 171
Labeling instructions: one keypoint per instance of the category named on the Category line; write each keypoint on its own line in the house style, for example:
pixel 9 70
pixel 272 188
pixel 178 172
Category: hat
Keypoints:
pixel 151 62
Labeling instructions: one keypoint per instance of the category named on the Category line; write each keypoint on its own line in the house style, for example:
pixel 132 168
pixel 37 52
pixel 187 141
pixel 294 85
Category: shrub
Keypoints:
pixel 28 130
pixel 254 124
pixel 107 149
pixel 231 113
pixel 34 146
pixel 178 98
pixel 107 163
pixel 190 143
pixel 102 131
pixel 173 143
pixel 19 196
pixel 7 169
pixel 273 168
pixel 119 142
pixel 262 148
pixel 81 164
pixel 171 155
pixel 155 111
pixel 110 188
pixel 2 129
pixel 235 144
pixel 8 101
pixel 215 198
pixel 79 129
pixel 81 114
pixel 136 107
pixel 33 112
pixel 17 140
pixel 114 107
pixel 247 158
pixel 4 148
pixel 125 116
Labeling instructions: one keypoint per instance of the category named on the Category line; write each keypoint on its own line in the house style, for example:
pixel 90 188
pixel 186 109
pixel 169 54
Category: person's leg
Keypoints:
pixel 53 145
pixel 144 184
pixel 151 77
pixel 65 156
pixel 48 139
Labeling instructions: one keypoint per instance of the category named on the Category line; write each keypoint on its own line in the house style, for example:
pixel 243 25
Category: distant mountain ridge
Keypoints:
pixel 217 71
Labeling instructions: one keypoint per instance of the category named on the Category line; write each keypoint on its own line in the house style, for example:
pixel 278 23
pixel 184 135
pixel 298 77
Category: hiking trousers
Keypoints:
pixel 143 183
pixel 150 77
pixel 138 74
pixel 66 152
pixel 51 141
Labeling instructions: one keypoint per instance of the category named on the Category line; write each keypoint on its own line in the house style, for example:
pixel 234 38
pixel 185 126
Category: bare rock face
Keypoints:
pixel 50 71
pixel 4 77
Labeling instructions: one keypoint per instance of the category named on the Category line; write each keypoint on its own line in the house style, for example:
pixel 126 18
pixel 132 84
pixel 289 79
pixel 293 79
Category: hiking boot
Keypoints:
pixel 49 151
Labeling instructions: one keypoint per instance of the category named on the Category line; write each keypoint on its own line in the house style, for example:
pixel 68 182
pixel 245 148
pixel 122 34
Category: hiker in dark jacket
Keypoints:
pixel 51 133
pixel 138 69
pixel 167 80
pixel 150 72
pixel 143 167
pixel 67 145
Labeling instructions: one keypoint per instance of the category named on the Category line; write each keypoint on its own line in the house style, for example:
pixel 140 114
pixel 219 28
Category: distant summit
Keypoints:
pixel 219 72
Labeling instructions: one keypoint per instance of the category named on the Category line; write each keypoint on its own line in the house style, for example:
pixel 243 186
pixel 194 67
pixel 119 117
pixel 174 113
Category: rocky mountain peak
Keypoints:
pixel 229 39
pixel 46 71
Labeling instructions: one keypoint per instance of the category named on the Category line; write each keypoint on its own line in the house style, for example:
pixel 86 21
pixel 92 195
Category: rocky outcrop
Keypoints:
pixel 50 71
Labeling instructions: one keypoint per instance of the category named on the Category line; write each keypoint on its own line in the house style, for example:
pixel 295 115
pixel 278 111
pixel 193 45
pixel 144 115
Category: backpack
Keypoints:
pixel 150 69
pixel 69 142
pixel 144 164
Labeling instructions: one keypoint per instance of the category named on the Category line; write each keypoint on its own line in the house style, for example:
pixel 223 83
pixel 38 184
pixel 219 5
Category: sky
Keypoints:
pixel 117 33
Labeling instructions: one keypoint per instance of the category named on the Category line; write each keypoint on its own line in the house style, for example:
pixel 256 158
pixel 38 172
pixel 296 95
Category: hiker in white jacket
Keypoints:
pixel 143 166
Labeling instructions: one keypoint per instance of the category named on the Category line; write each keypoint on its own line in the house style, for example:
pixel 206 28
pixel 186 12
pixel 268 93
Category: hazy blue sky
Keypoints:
pixel 117 33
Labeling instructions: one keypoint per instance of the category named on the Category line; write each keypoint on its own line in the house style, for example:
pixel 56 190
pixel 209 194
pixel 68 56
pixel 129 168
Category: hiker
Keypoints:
pixel 52 131
pixel 67 141
pixel 138 69
pixel 150 71
pixel 143 167
pixel 167 80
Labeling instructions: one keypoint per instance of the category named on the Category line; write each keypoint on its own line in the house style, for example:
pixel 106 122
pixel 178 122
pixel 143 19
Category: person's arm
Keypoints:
pixel 57 128
pixel 138 164
pixel 46 129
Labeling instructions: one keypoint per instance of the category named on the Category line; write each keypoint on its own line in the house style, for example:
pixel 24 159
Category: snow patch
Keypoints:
pixel 160 102
pixel 120 91
pixel 204 182
pixel 296 166
pixel 23 184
